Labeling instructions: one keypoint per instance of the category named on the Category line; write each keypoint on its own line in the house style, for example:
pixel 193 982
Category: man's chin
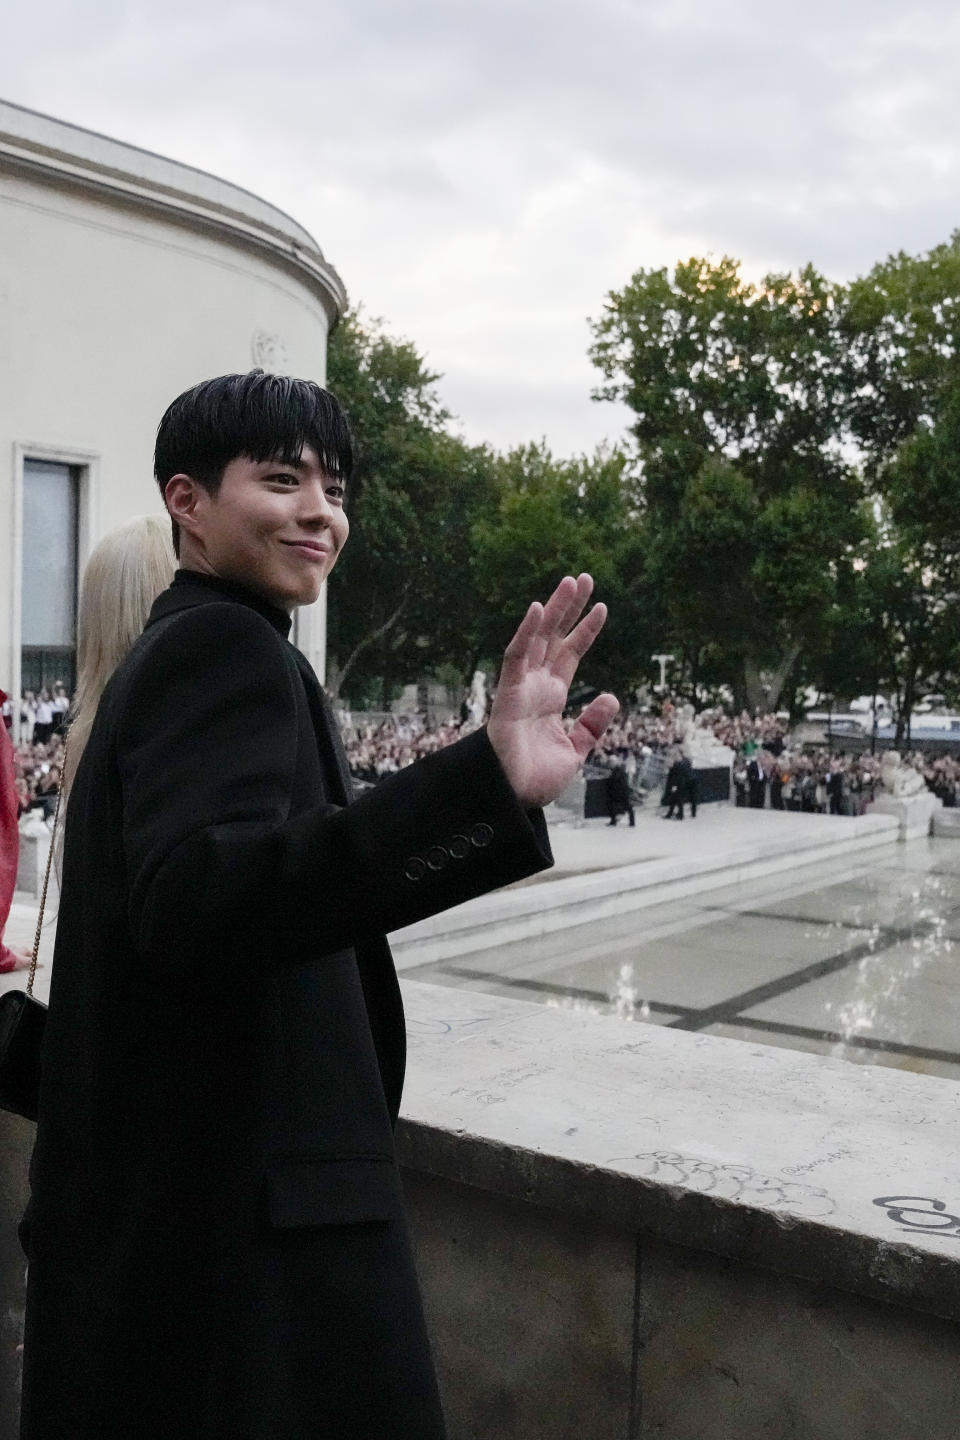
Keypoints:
pixel 307 596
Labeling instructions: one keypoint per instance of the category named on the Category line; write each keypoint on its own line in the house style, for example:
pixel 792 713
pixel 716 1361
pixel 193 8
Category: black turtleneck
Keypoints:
pixel 278 618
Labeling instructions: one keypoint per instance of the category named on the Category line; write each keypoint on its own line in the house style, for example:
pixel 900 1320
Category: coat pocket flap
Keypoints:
pixel 332 1192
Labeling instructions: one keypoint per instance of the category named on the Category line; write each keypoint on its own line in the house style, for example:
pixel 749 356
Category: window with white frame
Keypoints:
pixel 48 628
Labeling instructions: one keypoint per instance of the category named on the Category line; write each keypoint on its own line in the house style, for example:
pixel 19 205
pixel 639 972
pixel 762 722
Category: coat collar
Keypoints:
pixel 190 588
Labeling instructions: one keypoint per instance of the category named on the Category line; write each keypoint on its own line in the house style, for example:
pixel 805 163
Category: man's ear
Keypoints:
pixel 184 498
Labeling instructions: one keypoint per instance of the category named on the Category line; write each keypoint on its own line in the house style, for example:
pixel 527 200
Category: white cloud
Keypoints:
pixel 482 176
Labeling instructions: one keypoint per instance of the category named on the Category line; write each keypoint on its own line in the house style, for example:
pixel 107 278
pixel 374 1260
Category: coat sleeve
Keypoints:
pixel 206 743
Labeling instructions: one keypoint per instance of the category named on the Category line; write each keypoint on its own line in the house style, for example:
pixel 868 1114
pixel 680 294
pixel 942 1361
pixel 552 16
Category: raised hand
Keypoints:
pixel 526 725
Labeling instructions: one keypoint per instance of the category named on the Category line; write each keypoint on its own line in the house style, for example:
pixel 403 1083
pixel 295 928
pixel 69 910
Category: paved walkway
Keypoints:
pixel 597 845
pixel 19 933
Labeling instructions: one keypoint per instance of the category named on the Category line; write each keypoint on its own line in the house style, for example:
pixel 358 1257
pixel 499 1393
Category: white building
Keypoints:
pixel 124 279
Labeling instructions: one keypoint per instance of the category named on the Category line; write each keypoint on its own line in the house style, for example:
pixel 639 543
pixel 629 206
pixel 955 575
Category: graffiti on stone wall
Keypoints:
pixel 728 1182
pixel 920 1213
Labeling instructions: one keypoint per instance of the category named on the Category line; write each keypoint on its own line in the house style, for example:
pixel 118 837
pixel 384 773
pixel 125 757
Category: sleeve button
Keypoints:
pixel 459 847
pixel 415 869
pixel 437 857
pixel 480 836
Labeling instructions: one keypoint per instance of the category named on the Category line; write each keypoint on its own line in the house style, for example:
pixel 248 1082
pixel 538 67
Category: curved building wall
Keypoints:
pixel 125 278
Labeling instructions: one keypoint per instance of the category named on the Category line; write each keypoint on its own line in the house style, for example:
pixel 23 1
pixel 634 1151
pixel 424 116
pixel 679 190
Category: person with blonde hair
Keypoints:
pixel 126 572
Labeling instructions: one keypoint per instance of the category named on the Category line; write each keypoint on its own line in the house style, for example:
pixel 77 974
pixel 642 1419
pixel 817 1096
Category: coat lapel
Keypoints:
pixel 332 753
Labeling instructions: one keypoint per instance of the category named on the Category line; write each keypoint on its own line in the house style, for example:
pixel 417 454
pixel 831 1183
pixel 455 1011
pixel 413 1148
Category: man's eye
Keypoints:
pixel 284 479
pixel 337 491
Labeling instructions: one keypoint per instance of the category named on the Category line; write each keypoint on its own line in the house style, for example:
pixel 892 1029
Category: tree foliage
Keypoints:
pixel 556 517
pixel 750 503
pixel 901 326
pixel 404 591
pixel 450 542
pixel 901 331
pixel 784 514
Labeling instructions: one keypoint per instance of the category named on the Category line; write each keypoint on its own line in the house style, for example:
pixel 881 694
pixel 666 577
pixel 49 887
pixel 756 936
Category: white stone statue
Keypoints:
pixel 477 702
pixel 900 780
pixel 698 742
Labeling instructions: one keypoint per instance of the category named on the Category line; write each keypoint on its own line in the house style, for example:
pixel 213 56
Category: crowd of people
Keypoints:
pixel 44 713
pixel 837 784
pixel 642 746
pixel 37 769
pixel 38 758
pixel 639 733
pixel 378 748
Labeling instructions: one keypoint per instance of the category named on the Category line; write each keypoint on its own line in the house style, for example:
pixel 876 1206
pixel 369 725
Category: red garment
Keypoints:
pixel 9 842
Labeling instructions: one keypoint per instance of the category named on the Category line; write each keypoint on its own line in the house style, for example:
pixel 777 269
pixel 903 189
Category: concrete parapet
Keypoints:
pixel 629 1231
pixel 547 1327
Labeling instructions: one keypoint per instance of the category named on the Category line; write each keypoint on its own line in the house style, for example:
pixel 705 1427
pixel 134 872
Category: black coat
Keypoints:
pixel 216 1237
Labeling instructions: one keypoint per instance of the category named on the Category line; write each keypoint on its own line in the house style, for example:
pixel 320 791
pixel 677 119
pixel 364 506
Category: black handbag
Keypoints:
pixel 23 1019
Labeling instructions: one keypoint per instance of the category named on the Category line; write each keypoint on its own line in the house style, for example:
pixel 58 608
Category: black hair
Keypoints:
pixel 259 416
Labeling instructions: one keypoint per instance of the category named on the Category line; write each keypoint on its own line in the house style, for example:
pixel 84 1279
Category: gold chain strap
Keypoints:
pixel 46 878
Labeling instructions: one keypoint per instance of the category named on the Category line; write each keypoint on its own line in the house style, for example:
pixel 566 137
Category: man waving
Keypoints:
pixel 216 1236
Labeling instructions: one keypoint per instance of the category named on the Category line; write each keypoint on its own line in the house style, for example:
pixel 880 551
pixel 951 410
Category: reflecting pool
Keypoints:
pixel 861 962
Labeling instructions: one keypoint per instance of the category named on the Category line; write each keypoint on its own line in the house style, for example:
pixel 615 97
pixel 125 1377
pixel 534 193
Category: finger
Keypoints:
pixel 578 642
pixel 553 621
pixel 557 606
pixel 573 609
pixel 592 723
pixel 583 589
pixel 516 655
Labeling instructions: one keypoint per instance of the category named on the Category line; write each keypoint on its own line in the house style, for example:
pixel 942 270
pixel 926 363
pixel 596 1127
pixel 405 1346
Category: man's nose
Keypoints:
pixel 316 506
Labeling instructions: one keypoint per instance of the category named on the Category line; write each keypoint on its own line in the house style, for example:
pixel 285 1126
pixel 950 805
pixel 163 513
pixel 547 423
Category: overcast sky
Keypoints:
pixel 483 174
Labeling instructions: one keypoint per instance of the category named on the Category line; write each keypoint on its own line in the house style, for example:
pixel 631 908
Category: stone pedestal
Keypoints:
pixel 709 757
pixel 713 783
pixel 34 849
pixel 914 814
pixel 946 823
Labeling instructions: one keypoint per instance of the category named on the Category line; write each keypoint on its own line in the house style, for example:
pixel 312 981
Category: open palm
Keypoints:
pixel 526 728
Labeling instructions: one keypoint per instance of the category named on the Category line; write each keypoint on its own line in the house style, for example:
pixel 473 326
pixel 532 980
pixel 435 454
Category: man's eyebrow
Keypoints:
pixel 277 462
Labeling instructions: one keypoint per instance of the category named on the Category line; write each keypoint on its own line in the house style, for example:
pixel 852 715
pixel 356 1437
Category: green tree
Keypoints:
pixel 403 595
pixel 554 517
pixel 900 326
pixel 920 490
pixel 749 503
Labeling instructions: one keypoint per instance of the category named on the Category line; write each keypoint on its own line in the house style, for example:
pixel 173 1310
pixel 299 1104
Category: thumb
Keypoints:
pixel 592 723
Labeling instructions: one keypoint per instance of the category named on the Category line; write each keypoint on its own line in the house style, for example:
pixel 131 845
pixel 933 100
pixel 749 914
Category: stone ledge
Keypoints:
pixel 751 1152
